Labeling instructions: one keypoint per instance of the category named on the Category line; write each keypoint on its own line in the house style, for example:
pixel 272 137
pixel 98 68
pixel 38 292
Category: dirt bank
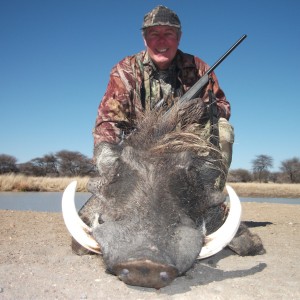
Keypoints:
pixel 36 262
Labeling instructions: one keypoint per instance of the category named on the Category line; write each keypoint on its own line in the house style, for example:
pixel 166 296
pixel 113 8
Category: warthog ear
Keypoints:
pixel 78 229
pixel 219 239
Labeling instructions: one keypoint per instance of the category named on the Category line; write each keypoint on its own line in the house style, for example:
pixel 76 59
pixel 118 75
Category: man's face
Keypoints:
pixel 162 44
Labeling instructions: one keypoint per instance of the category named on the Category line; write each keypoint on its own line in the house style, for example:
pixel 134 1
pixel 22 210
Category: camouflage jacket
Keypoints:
pixel 136 85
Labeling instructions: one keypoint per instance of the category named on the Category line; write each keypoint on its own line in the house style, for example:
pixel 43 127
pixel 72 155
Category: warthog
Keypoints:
pixel 157 210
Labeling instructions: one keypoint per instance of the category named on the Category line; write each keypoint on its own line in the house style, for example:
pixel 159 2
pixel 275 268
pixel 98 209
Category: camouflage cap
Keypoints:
pixel 161 15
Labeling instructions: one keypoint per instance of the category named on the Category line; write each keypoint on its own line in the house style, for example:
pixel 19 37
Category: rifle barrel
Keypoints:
pixel 226 54
pixel 196 89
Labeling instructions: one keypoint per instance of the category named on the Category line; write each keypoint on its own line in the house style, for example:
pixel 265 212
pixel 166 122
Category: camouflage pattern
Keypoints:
pixel 161 15
pixel 136 85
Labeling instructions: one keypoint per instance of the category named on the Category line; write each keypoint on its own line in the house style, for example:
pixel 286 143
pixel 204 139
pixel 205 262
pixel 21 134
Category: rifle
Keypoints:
pixel 197 88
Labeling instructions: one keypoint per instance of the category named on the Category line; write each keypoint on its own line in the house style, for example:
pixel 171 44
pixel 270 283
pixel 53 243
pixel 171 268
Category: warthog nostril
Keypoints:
pixel 123 273
pixel 164 276
pixel 145 273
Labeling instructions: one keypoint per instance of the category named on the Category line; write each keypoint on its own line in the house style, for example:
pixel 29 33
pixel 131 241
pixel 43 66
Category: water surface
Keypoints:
pixel 51 201
pixel 37 201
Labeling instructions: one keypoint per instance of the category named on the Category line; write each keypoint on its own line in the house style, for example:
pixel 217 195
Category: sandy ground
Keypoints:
pixel 36 262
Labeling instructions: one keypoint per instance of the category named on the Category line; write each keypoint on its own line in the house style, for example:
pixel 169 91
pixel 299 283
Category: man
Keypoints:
pixel 155 78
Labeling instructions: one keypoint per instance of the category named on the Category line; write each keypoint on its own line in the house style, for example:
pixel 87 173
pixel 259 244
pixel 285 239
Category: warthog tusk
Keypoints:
pixel 77 228
pixel 219 239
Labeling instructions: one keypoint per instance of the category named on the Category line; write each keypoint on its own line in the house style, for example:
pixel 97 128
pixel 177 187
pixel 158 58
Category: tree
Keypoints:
pixel 239 175
pixel 28 169
pixel 51 164
pixel 291 167
pixel 261 165
pixel 72 163
pixel 276 176
pixel 38 167
pixel 62 163
pixel 41 166
pixel 8 164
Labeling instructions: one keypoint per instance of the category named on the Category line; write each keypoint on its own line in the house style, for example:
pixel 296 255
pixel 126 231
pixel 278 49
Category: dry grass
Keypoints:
pixel 266 190
pixel 23 183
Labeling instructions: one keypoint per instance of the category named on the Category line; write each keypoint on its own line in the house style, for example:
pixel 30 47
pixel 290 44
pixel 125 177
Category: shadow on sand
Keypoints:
pixel 252 224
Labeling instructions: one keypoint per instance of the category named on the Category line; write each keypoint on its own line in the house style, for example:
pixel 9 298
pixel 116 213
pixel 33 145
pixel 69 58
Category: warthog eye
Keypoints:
pixel 100 220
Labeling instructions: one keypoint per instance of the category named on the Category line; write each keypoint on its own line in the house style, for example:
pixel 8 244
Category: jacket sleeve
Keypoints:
pixel 224 109
pixel 223 106
pixel 114 112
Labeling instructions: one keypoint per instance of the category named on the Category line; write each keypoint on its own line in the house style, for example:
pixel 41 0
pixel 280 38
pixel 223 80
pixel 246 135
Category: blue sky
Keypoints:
pixel 56 55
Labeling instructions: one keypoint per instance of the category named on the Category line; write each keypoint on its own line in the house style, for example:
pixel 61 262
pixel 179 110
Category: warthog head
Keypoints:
pixel 152 215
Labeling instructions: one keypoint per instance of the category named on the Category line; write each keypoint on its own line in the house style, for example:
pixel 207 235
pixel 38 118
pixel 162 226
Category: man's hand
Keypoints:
pixel 193 111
